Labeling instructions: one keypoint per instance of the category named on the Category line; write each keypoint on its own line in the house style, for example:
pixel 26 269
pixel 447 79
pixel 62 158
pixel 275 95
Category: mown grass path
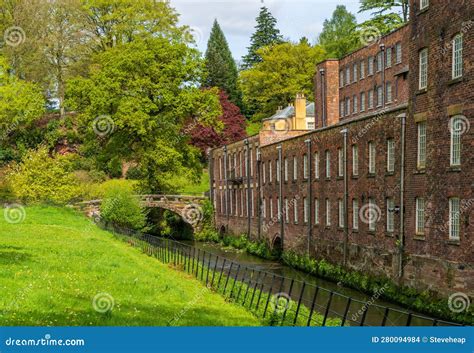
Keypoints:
pixel 55 262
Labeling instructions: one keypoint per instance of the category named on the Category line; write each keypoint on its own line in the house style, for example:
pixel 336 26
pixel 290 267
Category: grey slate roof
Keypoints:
pixel 289 111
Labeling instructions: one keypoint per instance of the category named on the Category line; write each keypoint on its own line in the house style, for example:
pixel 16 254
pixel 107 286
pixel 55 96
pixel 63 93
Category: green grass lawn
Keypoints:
pixel 55 262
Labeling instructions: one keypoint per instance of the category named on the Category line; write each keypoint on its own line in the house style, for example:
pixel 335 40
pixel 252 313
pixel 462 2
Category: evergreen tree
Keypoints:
pixel 221 67
pixel 265 34
pixel 339 36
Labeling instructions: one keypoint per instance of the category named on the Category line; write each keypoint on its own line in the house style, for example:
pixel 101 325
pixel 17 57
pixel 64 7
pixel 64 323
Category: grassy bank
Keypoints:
pixel 54 264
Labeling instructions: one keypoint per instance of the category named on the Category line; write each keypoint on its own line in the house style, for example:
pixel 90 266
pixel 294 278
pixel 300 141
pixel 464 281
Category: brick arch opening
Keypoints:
pixel 277 245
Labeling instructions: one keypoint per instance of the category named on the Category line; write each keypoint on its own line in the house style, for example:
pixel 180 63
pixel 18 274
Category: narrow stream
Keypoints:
pixel 374 314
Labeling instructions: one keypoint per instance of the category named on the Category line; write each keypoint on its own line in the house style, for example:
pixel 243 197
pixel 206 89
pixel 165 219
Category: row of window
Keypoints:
pixel 369 213
pixel 390 163
pixel 356 71
pixel 375 99
pixel 456 62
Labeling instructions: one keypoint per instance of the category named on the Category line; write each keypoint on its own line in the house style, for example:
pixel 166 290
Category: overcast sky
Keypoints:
pixel 296 18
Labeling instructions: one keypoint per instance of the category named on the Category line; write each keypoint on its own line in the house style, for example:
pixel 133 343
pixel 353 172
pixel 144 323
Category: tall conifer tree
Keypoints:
pixel 265 34
pixel 221 67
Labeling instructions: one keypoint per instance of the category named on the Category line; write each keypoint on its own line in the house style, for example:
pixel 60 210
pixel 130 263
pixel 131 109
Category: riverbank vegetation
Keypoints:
pixel 58 268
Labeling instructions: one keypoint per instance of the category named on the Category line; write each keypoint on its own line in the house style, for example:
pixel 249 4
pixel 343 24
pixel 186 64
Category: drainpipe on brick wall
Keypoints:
pixel 310 197
pixel 259 196
pixel 280 201
pixel 249 201
pixel 226 185
pixel 211 180
pixel 323 98
pixel 402 195
pixel 346 197
pixel 382 50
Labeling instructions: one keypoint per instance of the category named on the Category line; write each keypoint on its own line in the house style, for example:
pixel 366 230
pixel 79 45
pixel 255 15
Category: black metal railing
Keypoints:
pixel 278 300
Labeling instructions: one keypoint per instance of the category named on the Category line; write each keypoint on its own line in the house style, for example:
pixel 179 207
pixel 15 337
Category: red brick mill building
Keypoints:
pixel 382 179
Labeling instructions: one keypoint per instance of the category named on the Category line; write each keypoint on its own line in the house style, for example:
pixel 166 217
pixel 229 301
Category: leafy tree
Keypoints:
pixel 265 34
pixel 286 69
pixel 204 137
pixel 221 67
pixel 381 7
pixel 134 105
pixel 339 36
pixel 385 18
pixel 43 178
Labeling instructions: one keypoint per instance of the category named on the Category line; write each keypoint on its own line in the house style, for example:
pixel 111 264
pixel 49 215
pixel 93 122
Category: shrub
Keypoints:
pixel 41 177
pixel 122 208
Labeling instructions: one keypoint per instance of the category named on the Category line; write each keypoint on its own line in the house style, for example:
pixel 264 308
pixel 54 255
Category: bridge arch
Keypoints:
pixel 277 244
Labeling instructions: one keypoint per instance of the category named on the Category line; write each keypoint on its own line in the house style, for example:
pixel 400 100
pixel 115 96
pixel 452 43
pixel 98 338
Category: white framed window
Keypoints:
pixel 355 160
pixel 355 214
pixel 251 162
pixel 424 4
pixel 278 209
pixel 398 53
pixel 270 201
pixel 305 166
pixel 456 129
pixel 388 92
pixel 379 61
pixel 264 173
pixel 457 56
pixel 379 96
pixel 348 106
pixel 423 69
pixel 348 75
pixel 370 98
pixel 328 164
pixel 390 215
pixel 242 203
pixel 220 168
pixel 362 101
pixel 340 162
pixel 388 57
pixel 305 210
pixel 354 73
pixel 341 108
pixel 264 208
pixel 355 101
pixel 370 65
pixel 421 150
pixel 341 213
pixel 454 215
pixel 231 193
pixel 328 212
pixel 270 171
pixel 295 168
pixel 287 211
pixel 316 211
pixel 420 216
pixel 362 69
pixel 372 214
pixel 371 157
pixel 390 155
pixel 295 211
pixel 341 79
pixel 278 170
pixel 316 165
pixel 286 169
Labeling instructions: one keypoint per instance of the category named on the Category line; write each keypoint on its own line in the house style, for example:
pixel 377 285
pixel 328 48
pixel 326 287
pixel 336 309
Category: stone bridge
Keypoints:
pixel 188 207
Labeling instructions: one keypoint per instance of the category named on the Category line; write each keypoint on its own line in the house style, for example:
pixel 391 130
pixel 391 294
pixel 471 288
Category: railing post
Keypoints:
pixel 235 281
pixel 346 311
pixel 269 295
pixel 312 306
pixel 328 306
pixel 228 275
pixel 299 303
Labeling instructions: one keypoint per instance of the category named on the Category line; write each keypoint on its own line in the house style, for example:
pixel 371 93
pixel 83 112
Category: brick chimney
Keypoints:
pixel 300 112
pixel 326 93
